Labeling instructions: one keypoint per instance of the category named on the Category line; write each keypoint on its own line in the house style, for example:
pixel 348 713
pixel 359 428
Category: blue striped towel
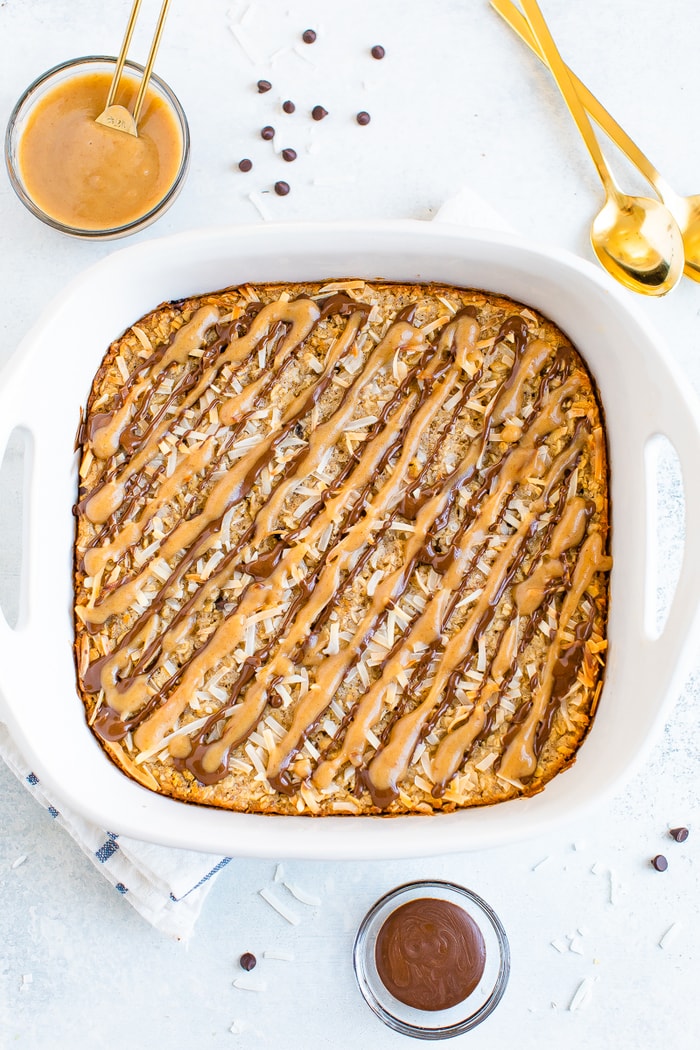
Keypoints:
pixel 166 886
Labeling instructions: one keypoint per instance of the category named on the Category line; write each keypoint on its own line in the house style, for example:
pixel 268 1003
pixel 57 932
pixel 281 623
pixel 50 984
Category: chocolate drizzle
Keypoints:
pixel 281 524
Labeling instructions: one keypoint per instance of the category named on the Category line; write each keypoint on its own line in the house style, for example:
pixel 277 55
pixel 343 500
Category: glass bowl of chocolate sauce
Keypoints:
pixel 432 959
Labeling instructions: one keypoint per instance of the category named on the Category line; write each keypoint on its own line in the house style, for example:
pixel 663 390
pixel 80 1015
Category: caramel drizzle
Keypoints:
pixel 391 761
pixel 534 590
pixel 330 672
pixel 262 593
pixel 358 519
pixel 239 479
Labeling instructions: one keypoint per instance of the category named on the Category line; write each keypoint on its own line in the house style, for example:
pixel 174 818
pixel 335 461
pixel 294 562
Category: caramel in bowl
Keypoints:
pixel 83 178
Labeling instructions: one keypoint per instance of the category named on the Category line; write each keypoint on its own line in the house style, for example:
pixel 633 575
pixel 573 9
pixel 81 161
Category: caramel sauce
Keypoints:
pixel 92 177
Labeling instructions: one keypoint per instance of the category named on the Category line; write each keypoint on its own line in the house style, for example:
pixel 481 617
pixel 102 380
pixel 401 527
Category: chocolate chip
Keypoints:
pixel 318 112
pixel 377 51
pixel 289 154
pixel 248 961
pixel 679 834
pixel 660 862
pixel 363 117
pixel 288 106
pixel 281 189
pixel 245 164
pixel 308 36
pixel 268 133
pixel 263 86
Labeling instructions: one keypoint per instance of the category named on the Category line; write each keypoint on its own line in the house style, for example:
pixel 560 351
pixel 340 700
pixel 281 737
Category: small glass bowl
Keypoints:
pixel 429 1024
pixel 45 83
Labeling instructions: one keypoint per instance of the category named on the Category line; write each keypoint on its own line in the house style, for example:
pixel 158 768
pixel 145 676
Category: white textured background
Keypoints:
pixel 457 101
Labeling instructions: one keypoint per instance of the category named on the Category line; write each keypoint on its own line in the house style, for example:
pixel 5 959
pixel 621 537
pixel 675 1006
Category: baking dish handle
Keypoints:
pixel 12 420
pixel 676 417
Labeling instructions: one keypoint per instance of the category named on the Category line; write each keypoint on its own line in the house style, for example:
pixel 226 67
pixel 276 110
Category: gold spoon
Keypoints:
pixel 119 117
pixel 636 239
pixel 685 210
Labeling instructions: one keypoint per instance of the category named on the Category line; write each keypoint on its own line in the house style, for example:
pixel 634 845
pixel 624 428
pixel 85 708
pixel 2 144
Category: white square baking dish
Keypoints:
pixel 48 380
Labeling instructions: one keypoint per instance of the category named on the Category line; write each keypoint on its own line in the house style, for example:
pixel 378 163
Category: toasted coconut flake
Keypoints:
pixel 372 739
pixel 254 756
pixel 513 783
pixel 186 730
pixel 486 762
pixel 345 806
pixel 668 937
pixel 239 765
pixel 582 994
pixel 373 581
pixel 142 337
pixel 122 366
pixel 311 750
pixel 439 322
pixel 333 645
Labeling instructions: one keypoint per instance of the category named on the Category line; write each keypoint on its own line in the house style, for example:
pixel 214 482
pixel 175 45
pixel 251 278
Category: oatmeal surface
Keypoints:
pixel 342 548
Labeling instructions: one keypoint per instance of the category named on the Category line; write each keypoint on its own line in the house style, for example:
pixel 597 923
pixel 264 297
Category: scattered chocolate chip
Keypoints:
pixel 288 106
pixel 289 154
pixel 660 862
pixel 363 117
pixel 263 86
pixel 248 961
pixel 308 36
pixel 679 834
pixel 245 164
pixel 377 51
pixel 281 189
pixel 268 133
pixel 318 112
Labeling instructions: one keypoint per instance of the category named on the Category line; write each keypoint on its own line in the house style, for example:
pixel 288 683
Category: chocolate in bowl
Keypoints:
pixel 430 954
pixel 432 959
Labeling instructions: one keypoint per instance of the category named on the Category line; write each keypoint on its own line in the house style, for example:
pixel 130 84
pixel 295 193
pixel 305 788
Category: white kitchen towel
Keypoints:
pixel 168 886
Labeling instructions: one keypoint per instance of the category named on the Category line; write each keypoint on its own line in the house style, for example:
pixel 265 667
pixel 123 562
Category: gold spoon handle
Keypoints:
pixel 510 14
pixel 560 72
pixel 122 54
pixel 151 59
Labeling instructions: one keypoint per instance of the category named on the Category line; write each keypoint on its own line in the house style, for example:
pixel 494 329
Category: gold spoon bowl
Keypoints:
pixel 636 239
pixel 119 117
pixel 685 210
pixel 638 242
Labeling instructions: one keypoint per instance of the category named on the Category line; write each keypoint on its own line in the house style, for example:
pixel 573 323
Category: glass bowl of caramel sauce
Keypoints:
pixel 432 959
pixel 82 178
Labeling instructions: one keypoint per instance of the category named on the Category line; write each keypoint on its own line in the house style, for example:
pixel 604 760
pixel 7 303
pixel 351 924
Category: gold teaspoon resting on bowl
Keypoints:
pixel 119 117
pixel 685 210
pixel 636 239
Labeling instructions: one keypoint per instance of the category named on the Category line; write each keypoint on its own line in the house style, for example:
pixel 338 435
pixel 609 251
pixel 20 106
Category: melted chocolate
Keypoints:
pixel 430 954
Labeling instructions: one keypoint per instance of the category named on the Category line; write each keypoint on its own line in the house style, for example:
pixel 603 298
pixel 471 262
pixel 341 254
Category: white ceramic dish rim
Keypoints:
pixel 643 396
